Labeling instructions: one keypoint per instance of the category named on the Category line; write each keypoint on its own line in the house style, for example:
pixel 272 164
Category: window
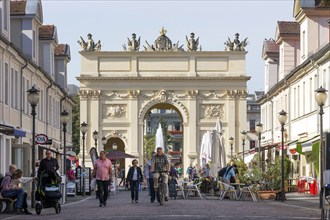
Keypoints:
pixel 12 95
pixel 252 144
pixel 27 103
pixel 41 103
pixel 6 83
pixel 34 45
pixel 162 111
pixel 1 84
pixel 24 95
pixel 177 126
pixel 252 125
pixel 310 94
pixel 5 15
pixel 303 44
pixel 17 88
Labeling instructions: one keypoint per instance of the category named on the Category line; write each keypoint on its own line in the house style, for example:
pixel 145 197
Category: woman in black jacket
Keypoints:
pixel 134 177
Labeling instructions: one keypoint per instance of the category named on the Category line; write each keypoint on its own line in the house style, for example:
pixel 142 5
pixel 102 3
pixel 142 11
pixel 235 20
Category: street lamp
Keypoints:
pixel 33 98
pixel 231 141
pixel 321 97
pixel 104 142
pixel 282 117
pixel 114 147
pixel 95 137
pixel 64 120
pixel 259 131
pixel 83 129
pixel 243 137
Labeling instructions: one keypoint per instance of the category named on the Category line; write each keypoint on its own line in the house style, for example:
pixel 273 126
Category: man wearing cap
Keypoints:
pixel 160 163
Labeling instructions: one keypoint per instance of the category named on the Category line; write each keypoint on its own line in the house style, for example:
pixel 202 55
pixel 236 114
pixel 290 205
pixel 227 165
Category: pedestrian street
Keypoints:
pixel 120 207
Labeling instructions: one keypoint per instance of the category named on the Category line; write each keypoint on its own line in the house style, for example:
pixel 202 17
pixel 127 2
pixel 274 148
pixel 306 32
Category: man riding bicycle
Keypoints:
pixel 160 163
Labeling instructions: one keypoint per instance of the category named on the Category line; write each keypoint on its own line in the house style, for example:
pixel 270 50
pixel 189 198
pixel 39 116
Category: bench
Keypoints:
pixel 9 204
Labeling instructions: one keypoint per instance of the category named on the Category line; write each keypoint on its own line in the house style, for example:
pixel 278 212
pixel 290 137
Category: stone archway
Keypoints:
pixel 172 118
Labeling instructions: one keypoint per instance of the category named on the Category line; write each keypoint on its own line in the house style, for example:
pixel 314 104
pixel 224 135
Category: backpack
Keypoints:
pixel 222 172
pixel 1 182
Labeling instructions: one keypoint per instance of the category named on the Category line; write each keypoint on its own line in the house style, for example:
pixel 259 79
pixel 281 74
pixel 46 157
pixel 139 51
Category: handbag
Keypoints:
pixel 93 184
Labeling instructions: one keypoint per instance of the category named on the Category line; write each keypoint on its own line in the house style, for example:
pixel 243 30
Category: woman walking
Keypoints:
pixel 134 177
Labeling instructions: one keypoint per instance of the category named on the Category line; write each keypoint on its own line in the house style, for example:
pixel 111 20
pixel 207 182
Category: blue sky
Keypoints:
pixel 212 21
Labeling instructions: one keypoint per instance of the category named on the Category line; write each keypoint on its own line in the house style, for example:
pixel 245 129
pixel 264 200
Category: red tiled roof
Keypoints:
pixel 17 7
pixel 271 46
pixel 288 27
pixel 61 49
pixel 46 31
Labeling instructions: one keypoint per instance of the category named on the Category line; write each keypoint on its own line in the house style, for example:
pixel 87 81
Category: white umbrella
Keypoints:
pixel 206 146
pixel 159 138
pixel 218 151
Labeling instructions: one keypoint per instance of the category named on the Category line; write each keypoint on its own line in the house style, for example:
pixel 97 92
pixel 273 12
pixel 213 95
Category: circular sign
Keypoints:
pixel 41 139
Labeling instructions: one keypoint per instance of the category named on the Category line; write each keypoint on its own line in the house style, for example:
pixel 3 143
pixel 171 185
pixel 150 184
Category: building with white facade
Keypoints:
pixel 297 62
pixel 30 55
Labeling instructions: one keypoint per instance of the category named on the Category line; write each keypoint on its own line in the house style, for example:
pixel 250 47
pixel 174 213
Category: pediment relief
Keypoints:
pixel 115 111
pixel 212 111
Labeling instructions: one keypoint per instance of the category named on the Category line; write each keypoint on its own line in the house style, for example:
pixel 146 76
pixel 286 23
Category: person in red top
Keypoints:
pixel 103 173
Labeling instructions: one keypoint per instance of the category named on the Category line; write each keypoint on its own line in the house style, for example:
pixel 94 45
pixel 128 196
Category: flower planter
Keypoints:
pixel 267 195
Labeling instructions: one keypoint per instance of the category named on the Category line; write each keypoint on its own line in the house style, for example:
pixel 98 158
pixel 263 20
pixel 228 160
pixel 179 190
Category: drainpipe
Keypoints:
pixel 47 106
pixel 21 101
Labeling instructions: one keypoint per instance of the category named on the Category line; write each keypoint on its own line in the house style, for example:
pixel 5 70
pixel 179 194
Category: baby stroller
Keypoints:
pixel 48 193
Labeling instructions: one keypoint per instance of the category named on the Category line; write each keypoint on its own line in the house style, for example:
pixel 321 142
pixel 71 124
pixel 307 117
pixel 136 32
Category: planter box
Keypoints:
pixel 267 194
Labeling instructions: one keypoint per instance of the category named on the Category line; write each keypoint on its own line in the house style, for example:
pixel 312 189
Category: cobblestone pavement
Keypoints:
pixel 120 207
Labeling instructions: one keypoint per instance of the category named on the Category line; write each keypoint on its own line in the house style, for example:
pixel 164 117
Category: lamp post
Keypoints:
pixel 321 97
pixel 243 137
pixel 83 129
pixel 231 141
pixel 64 120
pixel 282 117
pixel 104 142
pixel 259 131
pixel 114 147
pixel 33 98
pixel 95 137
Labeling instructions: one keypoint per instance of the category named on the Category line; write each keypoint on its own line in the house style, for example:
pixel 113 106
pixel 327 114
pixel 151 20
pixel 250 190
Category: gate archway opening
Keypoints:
pixel 171 121
pixel 120 147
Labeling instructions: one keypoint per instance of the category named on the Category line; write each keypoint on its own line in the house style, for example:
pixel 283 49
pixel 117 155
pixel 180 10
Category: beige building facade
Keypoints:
pixel 119 89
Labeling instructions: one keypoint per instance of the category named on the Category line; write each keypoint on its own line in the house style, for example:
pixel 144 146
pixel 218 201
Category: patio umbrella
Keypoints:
pixel 159 138
pixel 115 155
pixel 218 155
pixel 206 146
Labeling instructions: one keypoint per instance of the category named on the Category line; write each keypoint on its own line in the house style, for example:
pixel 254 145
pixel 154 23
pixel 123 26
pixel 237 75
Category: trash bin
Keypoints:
pixel 313 187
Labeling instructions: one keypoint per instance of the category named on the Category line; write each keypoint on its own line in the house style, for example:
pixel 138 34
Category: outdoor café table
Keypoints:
pixel 185 187
pixel 238 187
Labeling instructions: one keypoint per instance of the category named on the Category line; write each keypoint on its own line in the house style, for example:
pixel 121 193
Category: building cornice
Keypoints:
pixel 226 78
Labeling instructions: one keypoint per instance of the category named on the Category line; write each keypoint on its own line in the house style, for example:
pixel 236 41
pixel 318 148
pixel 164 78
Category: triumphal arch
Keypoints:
pixel 119 88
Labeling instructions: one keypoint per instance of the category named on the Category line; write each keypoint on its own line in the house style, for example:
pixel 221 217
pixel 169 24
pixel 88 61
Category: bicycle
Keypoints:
pixel 161 187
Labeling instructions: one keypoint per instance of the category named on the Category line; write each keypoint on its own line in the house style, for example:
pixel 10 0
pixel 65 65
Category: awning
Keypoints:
pixel 11 131
pixel 307 145
pixel 19 133
pixel 292 145
pixel 248 158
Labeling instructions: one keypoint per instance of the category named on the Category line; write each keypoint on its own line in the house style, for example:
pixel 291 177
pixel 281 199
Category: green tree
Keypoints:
pixel 149 145
pixel 76 125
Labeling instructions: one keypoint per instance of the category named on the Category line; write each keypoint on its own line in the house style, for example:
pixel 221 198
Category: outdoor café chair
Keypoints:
pixel 195 187
pixel 226 189
pixel 251 190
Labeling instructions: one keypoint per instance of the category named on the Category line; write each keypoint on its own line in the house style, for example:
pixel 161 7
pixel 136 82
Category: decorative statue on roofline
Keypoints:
pixel 192 44
pixel 236 45
pixel 90 45
pixel 132 45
